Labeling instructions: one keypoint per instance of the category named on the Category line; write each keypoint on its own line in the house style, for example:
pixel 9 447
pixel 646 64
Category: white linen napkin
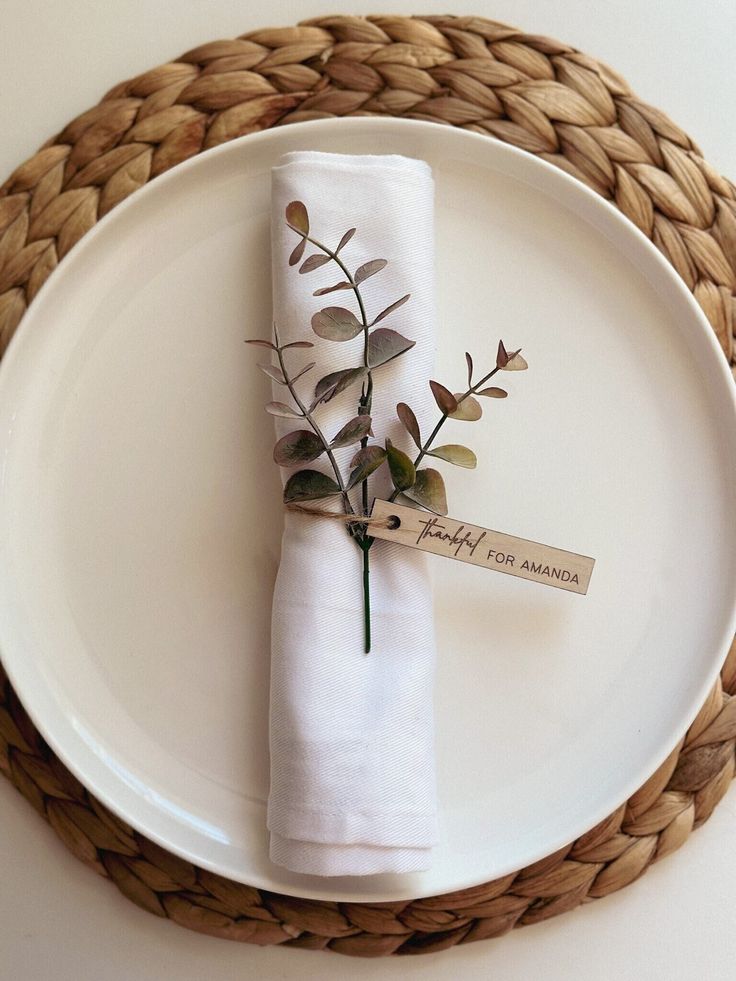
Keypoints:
pixel 351 734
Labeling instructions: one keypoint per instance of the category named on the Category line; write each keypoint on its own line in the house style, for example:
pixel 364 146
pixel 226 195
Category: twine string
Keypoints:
pixel 390 521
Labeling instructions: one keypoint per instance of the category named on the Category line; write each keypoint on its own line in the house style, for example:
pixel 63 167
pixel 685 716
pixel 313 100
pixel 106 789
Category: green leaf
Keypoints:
pixel 461 456
pixel 337 381
pixel 297 344
pixel 298 251
pixel 501 356
pixel 429 491
pixel 391 308
pixel 345 239
pixel 352 432
pixel 409 420
pixel 309 485
pixel 444 398
pixel 284 411
pixel 260 343
pixel 273 372
pixel 369 269
pixel 402 469
pixel 301 446
pixel 469 361
pixel 336 324
pixel 516 362
pixel 469 410
pixel 297 217
pixel 343 285
pixel 384 345
pixel 313 262
pixel 365 461
pixel 493 393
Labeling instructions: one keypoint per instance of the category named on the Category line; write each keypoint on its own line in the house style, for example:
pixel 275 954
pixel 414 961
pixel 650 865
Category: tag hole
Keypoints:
pixel 393 522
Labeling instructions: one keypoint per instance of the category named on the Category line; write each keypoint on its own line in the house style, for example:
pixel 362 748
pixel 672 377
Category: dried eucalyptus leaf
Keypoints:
pixel 298 252
pixel 446 401
pixel 337 381
pixel 365 461
pixel 384 345
pixel 366 453
pixel 297 344
pixel 390 309
pixel 305 369
pixel 297 217
pixel 345 239
pixel 403 473
pixel 352 432
pixel 343 285
pixel 309 485
pixel 284 411
pixel 409 420
pixel 516 363
pixel 493 392
pixel 301 446
pixel 429 491
pixel 369 269
pixel 501 356
pixel 273 372
pixel 469 410
pixel 336 324
pixel 260 343
pixel 469 361
pixel 313 262
pixel 461 456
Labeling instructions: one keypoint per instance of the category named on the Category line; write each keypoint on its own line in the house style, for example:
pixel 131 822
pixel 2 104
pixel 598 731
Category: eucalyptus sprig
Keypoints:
pixel 423 487
pixel 427 487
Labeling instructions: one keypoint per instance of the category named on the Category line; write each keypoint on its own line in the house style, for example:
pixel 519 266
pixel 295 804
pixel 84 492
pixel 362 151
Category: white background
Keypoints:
pixel 57 919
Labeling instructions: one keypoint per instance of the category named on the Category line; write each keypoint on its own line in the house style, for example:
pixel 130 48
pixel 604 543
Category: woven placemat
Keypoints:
pixel 530 91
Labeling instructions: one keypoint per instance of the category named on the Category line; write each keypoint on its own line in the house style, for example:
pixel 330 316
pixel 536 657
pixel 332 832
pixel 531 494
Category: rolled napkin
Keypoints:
pixel 351 734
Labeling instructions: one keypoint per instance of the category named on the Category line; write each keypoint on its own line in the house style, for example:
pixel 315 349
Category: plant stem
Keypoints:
pixel 359 534
pixel 366 398
pixel 365 548
pixel 315 427
pixel 360 542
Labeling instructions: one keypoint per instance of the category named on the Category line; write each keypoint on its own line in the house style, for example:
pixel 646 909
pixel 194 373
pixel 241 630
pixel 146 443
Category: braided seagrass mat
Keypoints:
pixel 530 91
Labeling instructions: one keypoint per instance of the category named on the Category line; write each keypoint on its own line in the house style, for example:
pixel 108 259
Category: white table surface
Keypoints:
pixel 57 919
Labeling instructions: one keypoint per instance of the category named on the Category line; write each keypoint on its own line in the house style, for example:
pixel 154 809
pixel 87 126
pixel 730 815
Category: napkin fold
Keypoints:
pixel 353 787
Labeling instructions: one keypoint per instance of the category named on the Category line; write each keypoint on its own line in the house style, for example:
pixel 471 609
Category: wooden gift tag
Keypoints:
pixel 481 546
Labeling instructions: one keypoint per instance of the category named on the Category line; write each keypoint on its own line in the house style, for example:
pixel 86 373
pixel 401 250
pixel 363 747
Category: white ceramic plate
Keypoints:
pixel 134 615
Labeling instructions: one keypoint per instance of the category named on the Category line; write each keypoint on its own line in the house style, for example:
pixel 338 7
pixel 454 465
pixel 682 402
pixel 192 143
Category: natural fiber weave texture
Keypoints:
pixel 535 93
